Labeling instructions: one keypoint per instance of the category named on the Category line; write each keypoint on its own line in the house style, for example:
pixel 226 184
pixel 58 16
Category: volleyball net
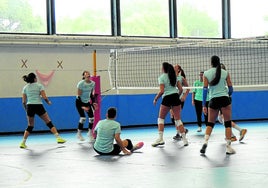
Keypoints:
pixel 139 68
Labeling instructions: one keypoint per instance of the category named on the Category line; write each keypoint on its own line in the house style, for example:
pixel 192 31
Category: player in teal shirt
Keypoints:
pixel 109 130
pixel 234 125
pixel 217 79
pixel 171 100
pixel 181 77
pixel 32 103
pixel 85 103
pixel 197 97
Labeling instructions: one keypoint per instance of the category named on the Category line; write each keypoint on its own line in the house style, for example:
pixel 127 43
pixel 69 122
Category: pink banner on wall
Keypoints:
pixel 97 112
pixel 45 78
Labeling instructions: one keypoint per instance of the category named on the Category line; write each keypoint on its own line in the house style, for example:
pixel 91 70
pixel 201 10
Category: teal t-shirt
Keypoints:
pixel 199 92
pixel 106 129
pixel 86 89
pixel 180 79
pixel 32 91
pixel 169 89
pixel 220 89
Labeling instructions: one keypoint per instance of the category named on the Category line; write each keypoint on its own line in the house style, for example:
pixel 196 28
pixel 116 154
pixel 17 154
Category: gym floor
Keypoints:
pixel 75 164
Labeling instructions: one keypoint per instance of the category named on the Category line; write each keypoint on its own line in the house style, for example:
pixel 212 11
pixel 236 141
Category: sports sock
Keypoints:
pixel 237 128
pixel 57 135
pixel 206 138
pixel 24 141
pixel 161 135
pixel 228 142
pixel 183 135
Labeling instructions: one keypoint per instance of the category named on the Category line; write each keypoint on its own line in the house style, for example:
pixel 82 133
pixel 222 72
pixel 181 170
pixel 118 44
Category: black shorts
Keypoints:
pixel 219 102
pixel 115 151
pixel 33 109
pixel 171 100
pixel 81 112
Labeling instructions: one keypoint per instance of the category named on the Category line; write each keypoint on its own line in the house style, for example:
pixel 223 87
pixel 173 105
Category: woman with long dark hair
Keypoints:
pixel 217 79
pixel 85 103
pixel 181 77
pixel 170 90
pixel 32 103
pixel 242 131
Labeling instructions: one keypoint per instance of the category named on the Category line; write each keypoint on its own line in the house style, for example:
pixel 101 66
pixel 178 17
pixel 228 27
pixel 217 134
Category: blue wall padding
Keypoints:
pixel 132 110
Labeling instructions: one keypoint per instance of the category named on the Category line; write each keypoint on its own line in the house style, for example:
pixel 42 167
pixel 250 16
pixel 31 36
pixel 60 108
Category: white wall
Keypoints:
pixel 44 59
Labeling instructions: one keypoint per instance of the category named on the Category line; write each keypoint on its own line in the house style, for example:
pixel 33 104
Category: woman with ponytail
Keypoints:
pixel 170 90
pixel 216 79
pixel 181 77
pixel 32 103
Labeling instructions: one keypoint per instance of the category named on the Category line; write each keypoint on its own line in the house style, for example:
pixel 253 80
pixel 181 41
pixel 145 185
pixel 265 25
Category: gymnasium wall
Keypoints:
pixel 134 107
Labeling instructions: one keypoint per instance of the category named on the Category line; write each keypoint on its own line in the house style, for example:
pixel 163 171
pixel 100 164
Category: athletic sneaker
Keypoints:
pixel 139 145
pixel 23 146
pixel 242 134
pixel 178 136
pixel 220 119
pixel 80 137
pixel 91 137
pixel 233 139
pixel 185 142
pixel 60 140
pixel 229 150
pixel 158 142
pixel 199 129
pixel 203 149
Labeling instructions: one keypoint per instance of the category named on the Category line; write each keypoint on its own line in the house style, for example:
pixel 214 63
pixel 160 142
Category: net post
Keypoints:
pixel 97 81
pixel 94 63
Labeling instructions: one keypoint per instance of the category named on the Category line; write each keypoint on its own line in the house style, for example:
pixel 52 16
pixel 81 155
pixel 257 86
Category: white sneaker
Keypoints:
pixel 199 129
pixel 80 137
pixel 91 137
pixel 242 134
pixel 229 150
pixel 158 142
pixel 185 142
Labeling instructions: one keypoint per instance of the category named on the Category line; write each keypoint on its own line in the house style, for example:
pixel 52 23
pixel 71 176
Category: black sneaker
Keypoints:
pixel 177 137
pixel 203 149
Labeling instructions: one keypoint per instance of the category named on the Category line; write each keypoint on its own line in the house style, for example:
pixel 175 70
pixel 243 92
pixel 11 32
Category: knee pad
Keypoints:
pixel 50 125
pixel 178 122
pixel 91 120
pixel 160 121
pixel 228 124
pixel 30 129
pixel 82 120
pixel 210 124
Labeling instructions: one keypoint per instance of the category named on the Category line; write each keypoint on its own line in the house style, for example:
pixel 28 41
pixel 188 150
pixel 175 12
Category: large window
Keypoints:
pixel 23 16
pixel 83 17
pixel 144 18
pixel 199 18
pixel 249 18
